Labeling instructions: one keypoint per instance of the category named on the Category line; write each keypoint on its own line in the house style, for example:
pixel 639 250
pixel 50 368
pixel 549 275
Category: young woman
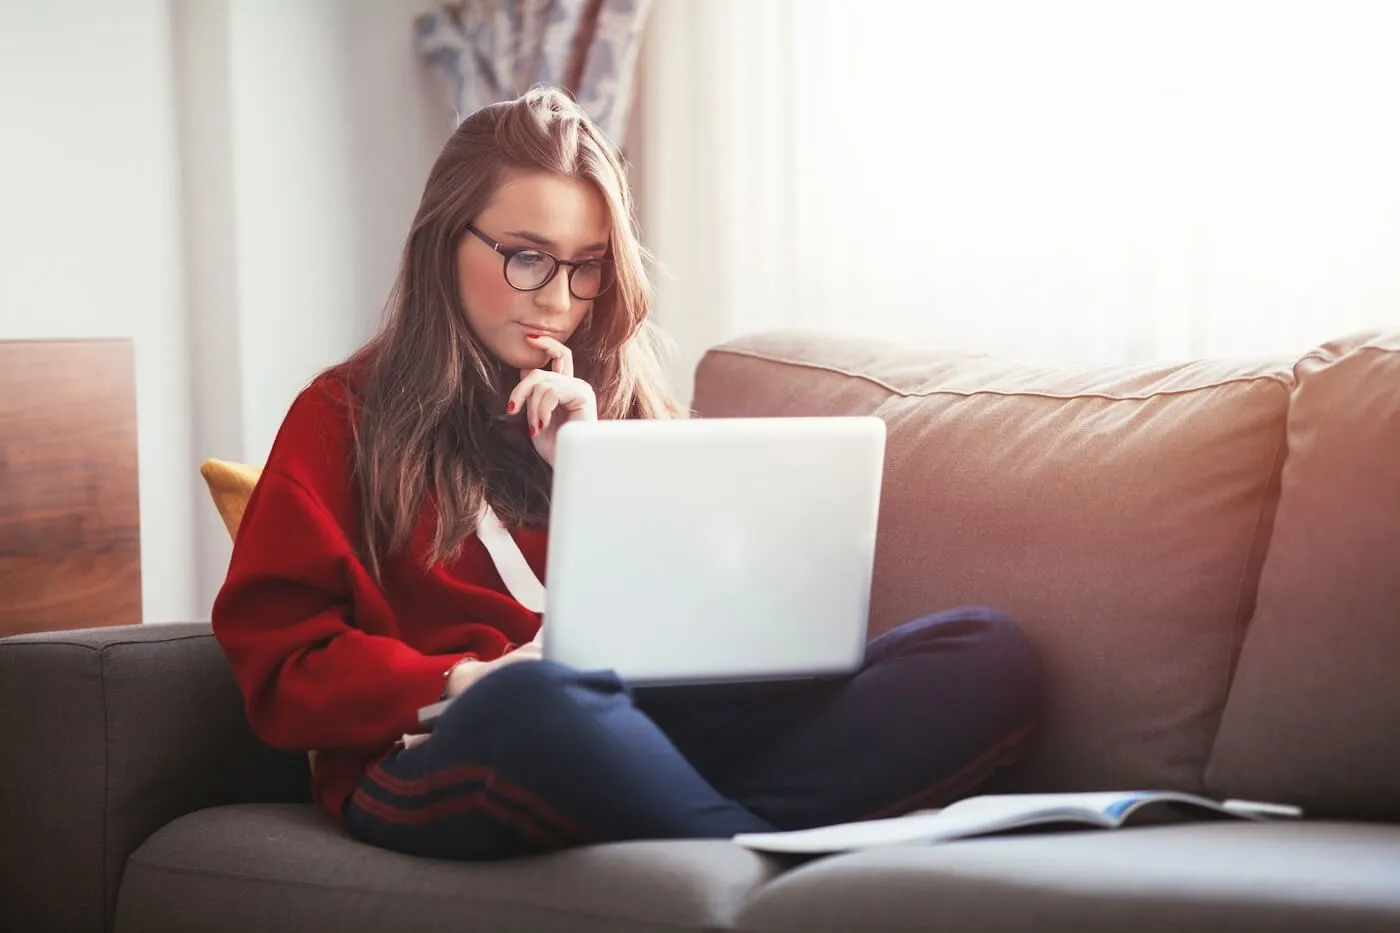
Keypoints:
pixel 378 566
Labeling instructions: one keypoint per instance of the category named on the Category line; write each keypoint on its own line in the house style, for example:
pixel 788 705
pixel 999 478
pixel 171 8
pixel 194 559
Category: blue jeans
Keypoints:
pixel 538 756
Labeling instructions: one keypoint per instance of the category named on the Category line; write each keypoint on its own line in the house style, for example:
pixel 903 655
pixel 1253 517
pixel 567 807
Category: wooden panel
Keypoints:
pixel 70 539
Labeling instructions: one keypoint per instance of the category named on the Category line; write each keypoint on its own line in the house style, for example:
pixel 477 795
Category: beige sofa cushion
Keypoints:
pixel 1290 877
pixel 287 868
pixel 1314 715
pixel 1119 513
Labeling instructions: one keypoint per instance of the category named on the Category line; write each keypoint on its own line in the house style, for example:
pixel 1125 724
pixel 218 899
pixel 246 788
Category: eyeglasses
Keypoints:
pixel 527 269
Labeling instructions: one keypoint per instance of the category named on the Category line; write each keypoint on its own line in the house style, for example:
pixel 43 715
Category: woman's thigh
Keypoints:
pixel 537 757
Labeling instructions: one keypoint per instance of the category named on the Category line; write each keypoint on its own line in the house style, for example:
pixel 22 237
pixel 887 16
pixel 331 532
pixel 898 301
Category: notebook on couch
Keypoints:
pixel 1001 813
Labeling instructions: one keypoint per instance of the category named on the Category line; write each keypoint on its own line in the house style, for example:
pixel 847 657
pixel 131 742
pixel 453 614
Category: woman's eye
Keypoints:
pixel 531 259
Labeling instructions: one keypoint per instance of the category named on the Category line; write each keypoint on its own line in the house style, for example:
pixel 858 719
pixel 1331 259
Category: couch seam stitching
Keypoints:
pixel 99 649
pixel 560 911
pixel 1275 378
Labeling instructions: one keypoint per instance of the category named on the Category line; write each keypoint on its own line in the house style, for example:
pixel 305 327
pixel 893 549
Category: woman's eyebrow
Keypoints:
pixel 546 243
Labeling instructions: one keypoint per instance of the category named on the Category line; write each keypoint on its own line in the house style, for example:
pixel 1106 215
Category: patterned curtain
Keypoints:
pixel 492 50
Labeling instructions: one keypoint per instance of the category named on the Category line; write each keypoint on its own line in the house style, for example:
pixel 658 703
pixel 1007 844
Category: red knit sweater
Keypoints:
pixel 327 659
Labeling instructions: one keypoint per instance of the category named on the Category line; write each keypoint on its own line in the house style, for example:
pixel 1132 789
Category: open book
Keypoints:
pixel 998 813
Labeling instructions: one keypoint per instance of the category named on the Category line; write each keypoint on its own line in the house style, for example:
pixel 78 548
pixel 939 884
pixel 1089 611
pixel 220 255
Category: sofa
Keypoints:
pixel 1206 556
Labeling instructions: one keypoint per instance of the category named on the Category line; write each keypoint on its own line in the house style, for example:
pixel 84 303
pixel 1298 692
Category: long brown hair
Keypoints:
pixel 427 394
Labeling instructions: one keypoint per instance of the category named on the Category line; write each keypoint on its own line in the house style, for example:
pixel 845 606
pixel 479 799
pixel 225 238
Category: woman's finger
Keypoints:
pixel 547 401
pixel 575 396
pixel 532 413
pixel 529 378
pixel 561 357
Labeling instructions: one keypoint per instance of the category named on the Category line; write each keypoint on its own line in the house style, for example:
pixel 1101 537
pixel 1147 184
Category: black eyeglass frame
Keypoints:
pixel 507 253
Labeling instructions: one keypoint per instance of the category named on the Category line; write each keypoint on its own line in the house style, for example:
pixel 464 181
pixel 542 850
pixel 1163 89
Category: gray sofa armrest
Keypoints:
pixel 105 736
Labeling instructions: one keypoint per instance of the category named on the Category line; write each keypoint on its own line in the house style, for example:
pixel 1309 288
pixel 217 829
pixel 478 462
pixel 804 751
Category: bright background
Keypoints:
pixel 229 182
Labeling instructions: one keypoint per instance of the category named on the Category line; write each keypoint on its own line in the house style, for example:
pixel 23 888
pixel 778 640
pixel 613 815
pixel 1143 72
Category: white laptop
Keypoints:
pixel 707 550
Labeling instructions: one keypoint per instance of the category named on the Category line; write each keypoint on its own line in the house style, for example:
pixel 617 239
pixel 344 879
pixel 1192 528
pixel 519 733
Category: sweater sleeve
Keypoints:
pixel 311 679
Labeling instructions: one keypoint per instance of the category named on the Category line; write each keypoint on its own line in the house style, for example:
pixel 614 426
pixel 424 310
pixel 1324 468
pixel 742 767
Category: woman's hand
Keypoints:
pixel 552 397
pixel 469 672
pixel 466 673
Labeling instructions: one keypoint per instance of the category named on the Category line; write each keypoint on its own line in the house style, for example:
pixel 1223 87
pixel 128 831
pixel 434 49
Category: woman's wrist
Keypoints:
pixel 457 678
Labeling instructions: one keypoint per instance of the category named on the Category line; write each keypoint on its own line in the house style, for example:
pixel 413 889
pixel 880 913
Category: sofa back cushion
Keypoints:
pixel 1120 513
pixel 1314 714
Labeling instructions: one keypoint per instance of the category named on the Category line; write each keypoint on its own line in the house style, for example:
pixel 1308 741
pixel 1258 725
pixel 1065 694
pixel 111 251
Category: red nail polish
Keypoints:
pixel 510 406
pixel 534 336
pixel 532 430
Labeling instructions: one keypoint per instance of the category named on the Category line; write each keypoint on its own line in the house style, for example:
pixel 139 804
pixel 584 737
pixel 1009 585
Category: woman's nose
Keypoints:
pixel 554 294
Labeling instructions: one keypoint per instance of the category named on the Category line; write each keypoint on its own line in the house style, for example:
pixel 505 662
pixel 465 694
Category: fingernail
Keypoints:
pixel 532 430
pixel 534 336
pixel 510 406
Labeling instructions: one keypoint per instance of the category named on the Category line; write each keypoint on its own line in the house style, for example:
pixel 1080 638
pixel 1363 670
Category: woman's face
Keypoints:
pixel 547 213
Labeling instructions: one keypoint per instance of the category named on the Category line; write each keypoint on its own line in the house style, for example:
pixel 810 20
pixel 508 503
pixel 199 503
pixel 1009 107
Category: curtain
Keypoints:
pixel 490 50
pixel 1082 180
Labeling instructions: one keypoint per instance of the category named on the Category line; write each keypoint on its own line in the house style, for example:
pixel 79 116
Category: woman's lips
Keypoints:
pixel 538 329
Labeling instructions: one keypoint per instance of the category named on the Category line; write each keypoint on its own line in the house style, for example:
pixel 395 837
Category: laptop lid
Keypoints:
pixel 708 550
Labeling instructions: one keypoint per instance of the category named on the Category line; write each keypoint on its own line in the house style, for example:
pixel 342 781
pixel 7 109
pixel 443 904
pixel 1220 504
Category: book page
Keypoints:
pixel 924 827
pixel 971 816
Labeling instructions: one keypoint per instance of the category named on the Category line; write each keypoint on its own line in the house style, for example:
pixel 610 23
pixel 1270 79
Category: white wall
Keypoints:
pixel 310 128
pixel 227 182
pixel 89 232
pixel 334 129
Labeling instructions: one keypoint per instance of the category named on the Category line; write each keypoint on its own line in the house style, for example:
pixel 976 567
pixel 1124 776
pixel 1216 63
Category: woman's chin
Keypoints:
pixel 518 354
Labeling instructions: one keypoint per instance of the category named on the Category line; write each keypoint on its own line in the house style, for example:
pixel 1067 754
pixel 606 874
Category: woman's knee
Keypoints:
pixel 994 628
pixel 986 641
pixel 965 626
pixel 521 679
pixel 527 691
pixel 997 639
